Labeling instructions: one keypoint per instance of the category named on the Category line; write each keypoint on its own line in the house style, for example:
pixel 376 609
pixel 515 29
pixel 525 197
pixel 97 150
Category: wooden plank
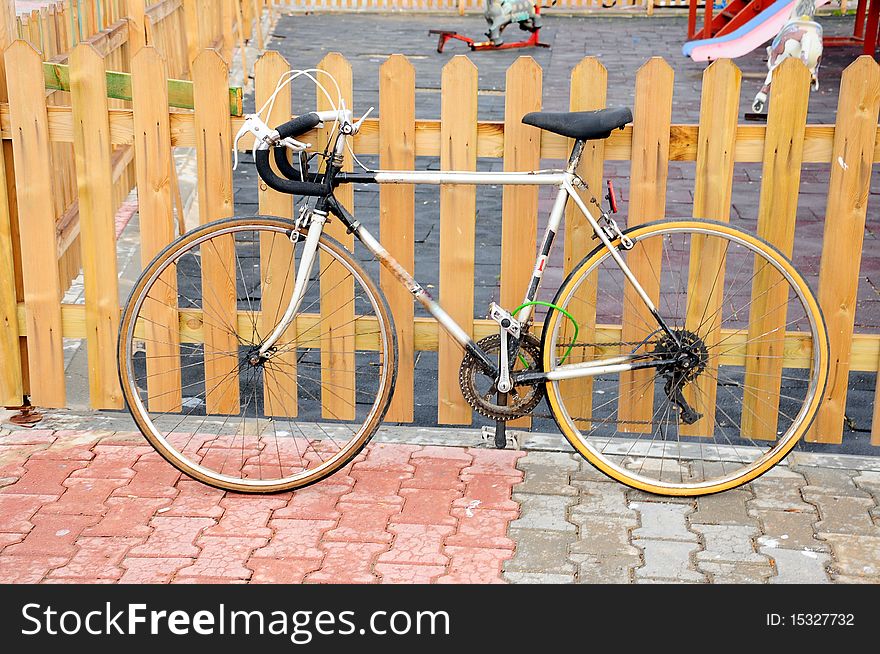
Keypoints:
pixel 276 255
pixel 137 26
pixel 865 347
pixel 777 212
pixel 228 20
pixel 194 43
pixel 848 190
pixel 719 110
pixel 490 135
pixel 650 146
pixel 519 204
pixel 397 101
pixel 152 146
pixel 97 227
pixel 458 139
pixel 11 381
pixel 33 181
pixel 219 294
pixel 180 92
pixel 589 86
pixel 875 421
pixel 337 286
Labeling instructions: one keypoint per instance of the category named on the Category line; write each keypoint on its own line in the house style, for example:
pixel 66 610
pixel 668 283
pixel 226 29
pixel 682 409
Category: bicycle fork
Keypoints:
pixel 315 219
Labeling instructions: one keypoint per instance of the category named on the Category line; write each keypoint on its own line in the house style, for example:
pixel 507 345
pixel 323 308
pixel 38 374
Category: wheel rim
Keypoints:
pixel 292 424
pixel 724 461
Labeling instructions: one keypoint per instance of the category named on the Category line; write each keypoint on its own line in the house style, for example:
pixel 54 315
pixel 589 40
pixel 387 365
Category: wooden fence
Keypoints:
pixel 115 30
pixel 33 127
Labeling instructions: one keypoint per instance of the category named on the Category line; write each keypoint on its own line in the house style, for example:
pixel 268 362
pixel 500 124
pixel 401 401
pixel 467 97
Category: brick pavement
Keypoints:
pixel 99 506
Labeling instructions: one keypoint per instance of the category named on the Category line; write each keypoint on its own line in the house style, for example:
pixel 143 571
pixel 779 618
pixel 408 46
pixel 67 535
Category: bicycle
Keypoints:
pixel 256 355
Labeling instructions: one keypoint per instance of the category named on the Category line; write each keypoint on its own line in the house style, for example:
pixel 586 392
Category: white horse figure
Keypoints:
pixel 501 13
pixel 800 37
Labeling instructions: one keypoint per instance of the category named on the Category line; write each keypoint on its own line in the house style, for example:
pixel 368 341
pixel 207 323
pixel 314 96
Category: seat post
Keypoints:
pixel 575 157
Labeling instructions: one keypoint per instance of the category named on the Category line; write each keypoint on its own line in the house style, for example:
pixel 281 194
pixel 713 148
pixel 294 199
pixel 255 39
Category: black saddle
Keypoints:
pixel 581 125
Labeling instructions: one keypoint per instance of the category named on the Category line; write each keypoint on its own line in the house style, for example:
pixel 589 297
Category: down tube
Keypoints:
pixel 419 293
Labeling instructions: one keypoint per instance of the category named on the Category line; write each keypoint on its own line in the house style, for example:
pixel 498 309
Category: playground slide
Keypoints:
pixel 753 34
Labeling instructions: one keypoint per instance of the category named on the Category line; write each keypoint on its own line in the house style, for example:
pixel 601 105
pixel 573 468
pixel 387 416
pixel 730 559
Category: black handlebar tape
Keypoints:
pixel 288 186
pixel 299 125
pixel 284 166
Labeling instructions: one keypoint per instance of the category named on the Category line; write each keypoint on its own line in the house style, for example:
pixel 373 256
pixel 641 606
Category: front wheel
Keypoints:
pixel 727 394
pixel 200 392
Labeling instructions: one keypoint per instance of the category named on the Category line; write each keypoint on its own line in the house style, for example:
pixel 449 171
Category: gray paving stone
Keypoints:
pixel 588 472
pixel 728 508
pixel 831 481
pixel 737 573
pixel 545 480
pixel 546 512
pixel 797 566
pixel 792 530
pixel 668 560
pixel 598 498
pixel 783 494
pixel 635 495
pixel 844 515
pixel 856 556
pixel 663 521
pixel 541 551
pixel 537 578
pixel 728 543
pixel 560 461
pixel 603 552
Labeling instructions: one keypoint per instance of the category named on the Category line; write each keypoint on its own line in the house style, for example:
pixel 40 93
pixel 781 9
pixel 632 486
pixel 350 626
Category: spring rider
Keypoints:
pixel 499 14
pixel 801 37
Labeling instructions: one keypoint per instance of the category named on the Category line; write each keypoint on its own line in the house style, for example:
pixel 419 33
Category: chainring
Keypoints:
pixel 479 389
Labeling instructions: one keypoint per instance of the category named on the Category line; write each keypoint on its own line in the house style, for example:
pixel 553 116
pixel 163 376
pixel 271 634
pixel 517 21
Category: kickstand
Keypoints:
pixel 501 425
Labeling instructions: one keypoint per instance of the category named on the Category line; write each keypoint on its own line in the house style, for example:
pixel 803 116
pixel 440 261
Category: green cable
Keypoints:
pixel 565 313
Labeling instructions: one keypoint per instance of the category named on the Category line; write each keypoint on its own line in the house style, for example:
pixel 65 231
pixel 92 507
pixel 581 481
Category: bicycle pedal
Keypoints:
pixel 514 438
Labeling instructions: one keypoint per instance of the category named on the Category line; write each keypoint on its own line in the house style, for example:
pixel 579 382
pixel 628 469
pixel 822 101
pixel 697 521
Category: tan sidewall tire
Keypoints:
pixel 748 474
pixel 352 448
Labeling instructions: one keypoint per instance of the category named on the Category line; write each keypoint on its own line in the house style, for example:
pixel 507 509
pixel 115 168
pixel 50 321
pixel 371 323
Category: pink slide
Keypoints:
pixel 753 34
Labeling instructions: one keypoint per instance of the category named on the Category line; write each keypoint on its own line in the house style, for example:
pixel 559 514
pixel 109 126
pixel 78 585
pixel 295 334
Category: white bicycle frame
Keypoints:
pixel 563 180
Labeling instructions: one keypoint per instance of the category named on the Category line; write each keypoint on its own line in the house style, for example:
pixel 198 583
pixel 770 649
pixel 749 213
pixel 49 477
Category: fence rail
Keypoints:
pixel 32 124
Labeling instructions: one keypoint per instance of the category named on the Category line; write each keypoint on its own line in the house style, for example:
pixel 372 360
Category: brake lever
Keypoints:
pixel 357 125
pixel 253 124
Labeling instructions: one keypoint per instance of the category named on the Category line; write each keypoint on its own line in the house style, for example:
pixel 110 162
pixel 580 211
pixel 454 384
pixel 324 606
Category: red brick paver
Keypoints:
pixel 100 507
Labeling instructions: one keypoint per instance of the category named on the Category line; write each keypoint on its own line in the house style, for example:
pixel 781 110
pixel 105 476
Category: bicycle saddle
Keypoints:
pixel 581 125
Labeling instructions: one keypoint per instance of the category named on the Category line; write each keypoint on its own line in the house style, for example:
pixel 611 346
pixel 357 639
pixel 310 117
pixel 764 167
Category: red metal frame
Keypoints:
pixel 534 41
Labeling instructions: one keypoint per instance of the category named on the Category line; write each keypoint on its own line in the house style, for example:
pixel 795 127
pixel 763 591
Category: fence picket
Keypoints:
pixel 397 135
pixel 650 155
pixel 97 226
pixel 519 204
pixel 11 380
pixel 589 87
pixel 276 253
pixel 152 144
pixel 213 151
pixel 337 286
pixel 777 212
pixel 33 174
pixel 458 151
pixel 854 138
pixel 719 110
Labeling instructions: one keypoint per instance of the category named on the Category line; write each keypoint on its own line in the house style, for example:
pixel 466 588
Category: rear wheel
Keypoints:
pixel 197 387
pixel 729 394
